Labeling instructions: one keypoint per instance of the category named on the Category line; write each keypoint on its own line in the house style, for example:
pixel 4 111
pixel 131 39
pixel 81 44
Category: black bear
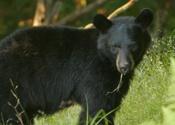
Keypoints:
pixel 44 68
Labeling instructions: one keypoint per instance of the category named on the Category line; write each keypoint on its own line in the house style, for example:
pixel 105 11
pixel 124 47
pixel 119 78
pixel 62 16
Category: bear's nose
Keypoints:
pixel 124 68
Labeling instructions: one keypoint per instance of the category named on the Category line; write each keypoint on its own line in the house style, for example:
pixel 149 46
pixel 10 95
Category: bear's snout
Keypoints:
pixel 124 68
pixel 124 62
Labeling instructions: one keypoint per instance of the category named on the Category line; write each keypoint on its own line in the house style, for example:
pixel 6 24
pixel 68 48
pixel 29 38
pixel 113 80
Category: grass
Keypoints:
pixel 67 116
pixel 147 94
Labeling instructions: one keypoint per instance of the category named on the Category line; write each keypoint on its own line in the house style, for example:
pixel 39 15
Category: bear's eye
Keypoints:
pixel 133 47
pixel 116 46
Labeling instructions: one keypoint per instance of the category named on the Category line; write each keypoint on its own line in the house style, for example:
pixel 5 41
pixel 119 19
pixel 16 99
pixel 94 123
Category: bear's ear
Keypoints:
pixel 101 23
pixel 144 18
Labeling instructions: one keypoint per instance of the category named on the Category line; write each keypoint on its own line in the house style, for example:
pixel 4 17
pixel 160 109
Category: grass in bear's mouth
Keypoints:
pixel 118 87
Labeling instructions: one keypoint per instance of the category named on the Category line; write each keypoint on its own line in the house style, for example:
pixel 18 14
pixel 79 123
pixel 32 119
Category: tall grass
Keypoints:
pixel 169 108
pixel 147 94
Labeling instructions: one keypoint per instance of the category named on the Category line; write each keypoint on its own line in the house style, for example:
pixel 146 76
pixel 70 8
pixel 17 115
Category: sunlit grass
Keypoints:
pixel 67 116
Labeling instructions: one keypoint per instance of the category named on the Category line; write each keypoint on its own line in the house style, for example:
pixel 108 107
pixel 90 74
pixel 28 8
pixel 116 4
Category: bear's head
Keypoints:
pixel 124 40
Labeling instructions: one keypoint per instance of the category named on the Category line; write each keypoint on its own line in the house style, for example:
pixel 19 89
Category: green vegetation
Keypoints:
pixel 147 95
pixel 169 108
pixel 16 14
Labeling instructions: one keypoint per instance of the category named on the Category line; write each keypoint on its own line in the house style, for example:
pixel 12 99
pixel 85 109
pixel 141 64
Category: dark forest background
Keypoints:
pixel 16 14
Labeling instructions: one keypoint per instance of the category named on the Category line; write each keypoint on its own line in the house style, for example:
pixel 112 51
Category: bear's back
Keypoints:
pixel 48 38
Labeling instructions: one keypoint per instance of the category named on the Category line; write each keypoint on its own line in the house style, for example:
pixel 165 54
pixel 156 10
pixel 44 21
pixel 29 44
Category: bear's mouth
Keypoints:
pixel 123 68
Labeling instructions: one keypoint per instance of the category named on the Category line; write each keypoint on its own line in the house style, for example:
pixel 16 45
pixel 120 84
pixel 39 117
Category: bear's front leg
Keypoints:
pixel 94 104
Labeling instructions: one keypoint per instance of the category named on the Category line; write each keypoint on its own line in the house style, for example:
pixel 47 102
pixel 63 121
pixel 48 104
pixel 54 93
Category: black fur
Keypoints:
pixel 52 65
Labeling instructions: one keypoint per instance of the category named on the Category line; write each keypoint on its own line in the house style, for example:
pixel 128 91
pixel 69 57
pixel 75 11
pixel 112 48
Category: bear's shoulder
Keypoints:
pixel 49 37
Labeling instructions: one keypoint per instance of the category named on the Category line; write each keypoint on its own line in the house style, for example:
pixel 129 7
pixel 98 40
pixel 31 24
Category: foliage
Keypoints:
pixel 169 108
pixel 12 12
pixel 19 14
